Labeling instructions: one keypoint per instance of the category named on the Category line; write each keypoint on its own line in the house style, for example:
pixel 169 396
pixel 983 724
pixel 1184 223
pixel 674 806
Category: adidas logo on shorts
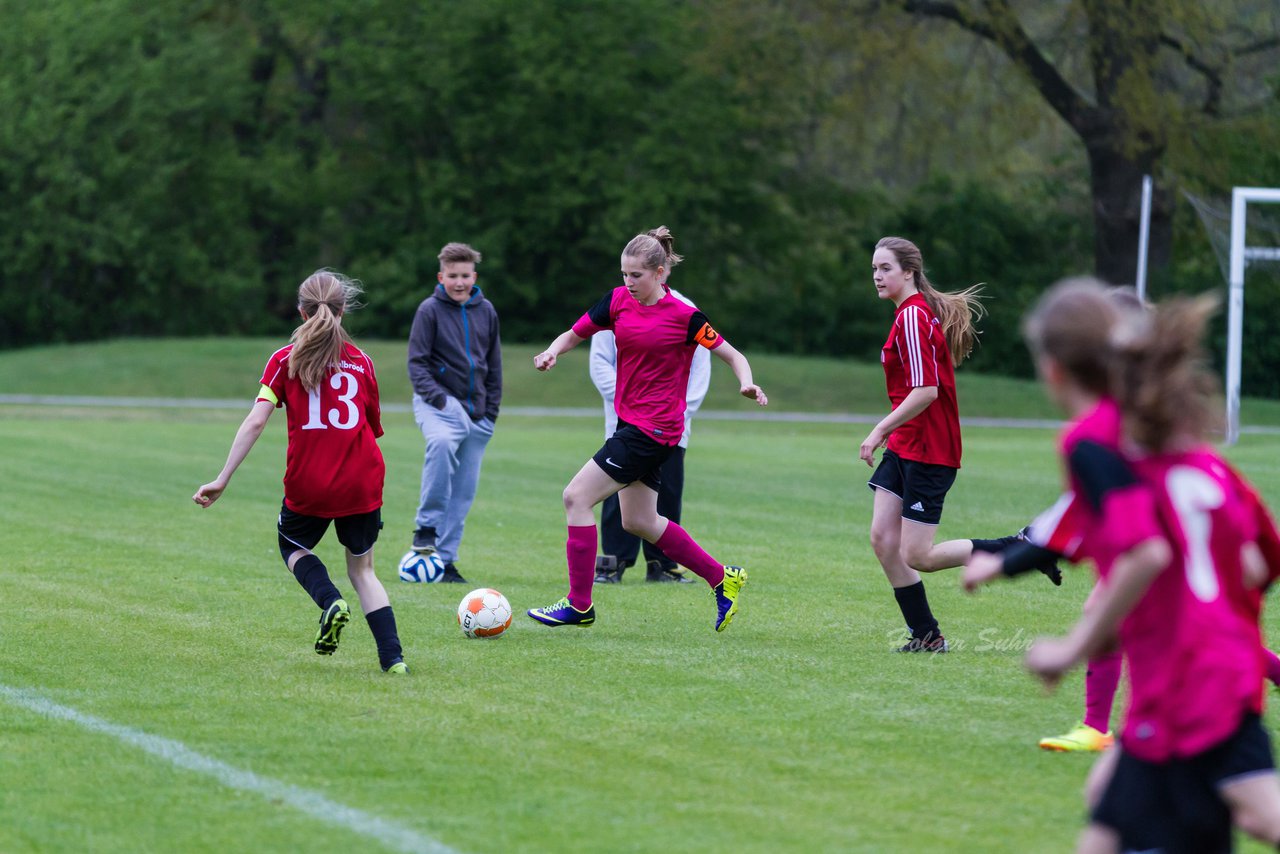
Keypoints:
pixel 918 507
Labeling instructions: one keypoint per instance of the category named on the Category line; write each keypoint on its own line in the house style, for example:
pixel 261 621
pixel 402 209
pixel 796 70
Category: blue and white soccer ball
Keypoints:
pixel 416 567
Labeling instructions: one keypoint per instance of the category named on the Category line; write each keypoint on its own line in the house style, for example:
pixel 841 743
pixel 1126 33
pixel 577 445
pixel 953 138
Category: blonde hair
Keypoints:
pixel 1163 382
pixel 318 343
pixel 458 253
pixel 1072 324
pixel 957 311
pixel 654 249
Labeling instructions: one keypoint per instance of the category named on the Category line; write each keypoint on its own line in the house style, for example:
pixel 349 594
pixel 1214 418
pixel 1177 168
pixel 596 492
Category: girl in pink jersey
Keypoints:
pixel 1173 540
pixel 333 467
pixel 932 332
pixel 656 335
pixel 1070 331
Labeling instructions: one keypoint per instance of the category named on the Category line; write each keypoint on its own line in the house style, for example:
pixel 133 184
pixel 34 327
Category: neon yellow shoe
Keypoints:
pixel 1081 739
pixel 397 669
pixel 332 621
pixel 727 595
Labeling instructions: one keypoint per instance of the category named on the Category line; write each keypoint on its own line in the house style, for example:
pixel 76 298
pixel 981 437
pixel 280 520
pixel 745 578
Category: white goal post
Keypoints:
pixel 1241 255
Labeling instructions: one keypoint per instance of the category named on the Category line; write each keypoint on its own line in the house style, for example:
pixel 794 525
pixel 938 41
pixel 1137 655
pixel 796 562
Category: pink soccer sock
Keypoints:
pixel 580 550
pixel 676 544
pixel 1100 682
pixel 1272 663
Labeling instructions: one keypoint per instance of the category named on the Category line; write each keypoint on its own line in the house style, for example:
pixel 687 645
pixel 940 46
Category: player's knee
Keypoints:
pixel 883 542
pixel 291 559
pixel 642 528
pixel 917 559
pixel 572 501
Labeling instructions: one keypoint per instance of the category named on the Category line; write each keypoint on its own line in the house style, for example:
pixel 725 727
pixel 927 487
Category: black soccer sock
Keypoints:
pixel 915 610
pixel 382 623
pixel 314 578
pixel 995 546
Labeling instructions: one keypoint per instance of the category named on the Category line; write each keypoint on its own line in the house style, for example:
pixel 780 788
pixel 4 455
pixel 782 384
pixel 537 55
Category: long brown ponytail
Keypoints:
pixel 317 344
pixel 1163 382
pixel 957 311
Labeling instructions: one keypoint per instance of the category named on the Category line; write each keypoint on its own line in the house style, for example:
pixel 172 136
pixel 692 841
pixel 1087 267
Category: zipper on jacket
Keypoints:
pixel 471 363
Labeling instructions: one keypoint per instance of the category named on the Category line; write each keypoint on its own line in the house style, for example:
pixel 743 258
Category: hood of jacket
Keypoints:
pixel 443 295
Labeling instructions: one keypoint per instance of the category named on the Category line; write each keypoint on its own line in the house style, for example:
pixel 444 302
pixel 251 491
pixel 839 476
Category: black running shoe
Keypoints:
pixel 451 574
pixel 424 541
pixel 608 570
pixel 659 574
pixel 928 643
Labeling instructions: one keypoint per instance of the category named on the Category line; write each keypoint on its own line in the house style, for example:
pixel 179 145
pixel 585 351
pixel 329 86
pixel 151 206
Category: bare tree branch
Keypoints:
pixel 1258 46
pixel 1213 77
pixel 1002 28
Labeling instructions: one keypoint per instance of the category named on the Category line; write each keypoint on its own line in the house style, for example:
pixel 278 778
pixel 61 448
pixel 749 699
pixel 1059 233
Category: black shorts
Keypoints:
pixel 1245 753
pixel 921 486
pixel 630 455
pixel 1177 805
pixel 296 531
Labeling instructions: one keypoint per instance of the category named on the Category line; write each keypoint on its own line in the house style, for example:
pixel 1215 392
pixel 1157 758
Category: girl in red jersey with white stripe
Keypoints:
pixel 932 331
pixel 1173 548
pixel 333 467
pixel 656 336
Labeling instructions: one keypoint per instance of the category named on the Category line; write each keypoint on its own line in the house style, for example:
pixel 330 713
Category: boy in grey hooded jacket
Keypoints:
pixel 455 367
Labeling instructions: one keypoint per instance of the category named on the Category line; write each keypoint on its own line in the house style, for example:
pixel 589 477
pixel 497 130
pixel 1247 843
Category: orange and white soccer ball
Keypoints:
pixel 484 613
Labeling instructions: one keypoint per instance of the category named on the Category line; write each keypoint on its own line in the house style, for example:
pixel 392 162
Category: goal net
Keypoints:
pixel 1244 235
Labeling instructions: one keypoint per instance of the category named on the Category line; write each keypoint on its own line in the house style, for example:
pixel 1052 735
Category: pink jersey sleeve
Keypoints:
pixel 585 327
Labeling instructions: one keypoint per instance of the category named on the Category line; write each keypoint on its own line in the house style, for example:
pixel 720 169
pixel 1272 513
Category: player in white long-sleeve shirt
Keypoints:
pixel 619 548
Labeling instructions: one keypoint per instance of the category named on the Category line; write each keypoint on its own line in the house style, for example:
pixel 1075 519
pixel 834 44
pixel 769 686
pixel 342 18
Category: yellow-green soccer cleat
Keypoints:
pixel 332 622
pixel 727 592
pixel 1081 739
pixel 398 669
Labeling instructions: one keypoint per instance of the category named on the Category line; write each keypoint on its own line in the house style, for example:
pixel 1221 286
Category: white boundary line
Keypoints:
pixel 389 833
pixel 88 401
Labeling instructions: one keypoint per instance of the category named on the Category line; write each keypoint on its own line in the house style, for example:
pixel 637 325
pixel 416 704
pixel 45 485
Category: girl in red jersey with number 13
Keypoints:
pixel 656 336
pixel 333 467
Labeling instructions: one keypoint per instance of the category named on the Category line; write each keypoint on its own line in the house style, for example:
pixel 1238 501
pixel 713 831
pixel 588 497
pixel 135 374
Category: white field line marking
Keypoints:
pixel 314 804
pixel 92 402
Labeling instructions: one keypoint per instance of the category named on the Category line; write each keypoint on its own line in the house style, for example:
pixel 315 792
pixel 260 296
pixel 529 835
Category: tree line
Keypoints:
pixel 177 168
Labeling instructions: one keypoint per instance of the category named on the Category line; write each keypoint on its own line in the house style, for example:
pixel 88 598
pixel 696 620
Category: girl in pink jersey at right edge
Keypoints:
pixel 1175 542
pixel 656 336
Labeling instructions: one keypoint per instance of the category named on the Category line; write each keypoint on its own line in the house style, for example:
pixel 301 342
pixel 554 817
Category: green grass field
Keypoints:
pixel 795 730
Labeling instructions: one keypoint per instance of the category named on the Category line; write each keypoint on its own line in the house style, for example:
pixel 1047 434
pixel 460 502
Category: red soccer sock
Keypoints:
pixel 1100 682
pixel 676 544
pixel 580 551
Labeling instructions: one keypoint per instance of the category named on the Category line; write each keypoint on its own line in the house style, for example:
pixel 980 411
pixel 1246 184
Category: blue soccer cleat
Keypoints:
pixel 727 591
pixel 563 614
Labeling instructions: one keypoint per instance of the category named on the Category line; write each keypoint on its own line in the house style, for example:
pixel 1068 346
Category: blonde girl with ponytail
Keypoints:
pixel 333 467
